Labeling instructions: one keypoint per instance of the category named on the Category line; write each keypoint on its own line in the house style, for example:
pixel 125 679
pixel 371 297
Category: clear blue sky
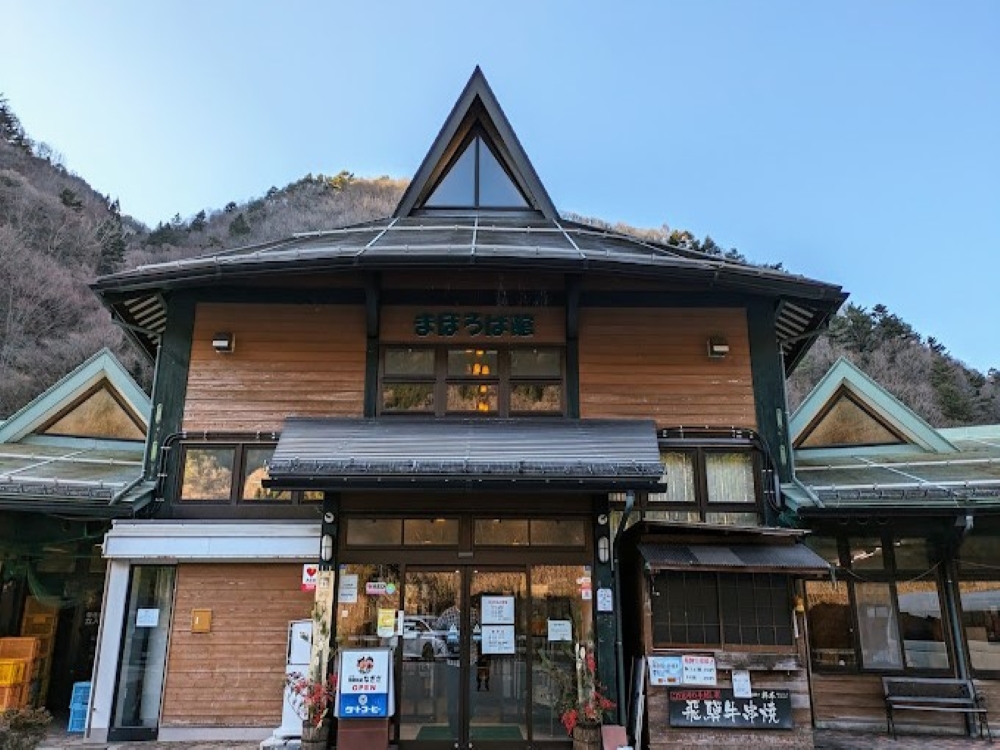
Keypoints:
pixel 856 142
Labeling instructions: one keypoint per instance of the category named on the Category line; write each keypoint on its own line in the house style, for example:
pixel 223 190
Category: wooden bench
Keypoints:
pixel 950 695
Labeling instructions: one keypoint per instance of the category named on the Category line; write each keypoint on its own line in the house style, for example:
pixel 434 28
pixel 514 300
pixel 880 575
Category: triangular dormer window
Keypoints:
pixel 476 180
pixel 476 163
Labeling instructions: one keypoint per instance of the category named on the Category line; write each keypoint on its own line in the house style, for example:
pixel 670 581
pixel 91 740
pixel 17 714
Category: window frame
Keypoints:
pixel 890 575
pixel 235 498
pixel 702 505
pixel 503 379
pixel 723 614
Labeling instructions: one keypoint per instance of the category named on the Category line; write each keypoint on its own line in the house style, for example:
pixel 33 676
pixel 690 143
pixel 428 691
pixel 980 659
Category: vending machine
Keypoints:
pixel 297 660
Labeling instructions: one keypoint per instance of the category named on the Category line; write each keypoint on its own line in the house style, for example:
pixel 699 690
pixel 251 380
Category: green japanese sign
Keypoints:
pixel 474 324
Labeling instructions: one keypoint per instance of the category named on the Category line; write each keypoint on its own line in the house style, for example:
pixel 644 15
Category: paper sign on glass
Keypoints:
pixel 348 591
pixel 386 623
pixel 497 639
pixel 560 630
pixel 147 618
pixel 498 610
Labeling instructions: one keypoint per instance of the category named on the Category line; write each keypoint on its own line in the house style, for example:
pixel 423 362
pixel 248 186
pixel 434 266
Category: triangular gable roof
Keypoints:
pixel 846 378
pixel 476 104
pixel 102 367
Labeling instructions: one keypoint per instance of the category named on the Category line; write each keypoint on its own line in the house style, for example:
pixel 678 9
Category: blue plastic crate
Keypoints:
pixel 77 719
pixel 81 695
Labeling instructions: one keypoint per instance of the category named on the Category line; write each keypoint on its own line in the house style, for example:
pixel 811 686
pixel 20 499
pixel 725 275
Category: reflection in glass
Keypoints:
pixel 472 363
pixel 558 533
pixel 144 649
pixel 374 532
pixel 878 632
pixel 730 478
pixel 981 621
pixel 911 553
pixel 866 553
pixel 208 473
pixel 556 609
pixel 430 531
pixel 409 363
pixel 473 398
pixel 506 532
pixel 535 363
pixel 545 398
pixel 920 621
pixel 830 625
pixel 496 189
pixel 413 397
pixel 255 470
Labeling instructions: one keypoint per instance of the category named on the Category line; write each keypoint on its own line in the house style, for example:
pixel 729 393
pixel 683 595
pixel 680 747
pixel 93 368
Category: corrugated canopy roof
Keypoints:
pixel 765 558
pixel 86 479
pixel 597 455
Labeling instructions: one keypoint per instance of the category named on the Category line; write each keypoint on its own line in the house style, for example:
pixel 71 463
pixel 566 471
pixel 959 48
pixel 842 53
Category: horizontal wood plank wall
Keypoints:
pixel 306 360
pixel 654 364
pixel 233 675
pixel 853 701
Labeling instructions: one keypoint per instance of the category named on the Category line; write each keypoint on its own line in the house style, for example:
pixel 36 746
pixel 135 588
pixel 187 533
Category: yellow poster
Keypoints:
pixel 386 623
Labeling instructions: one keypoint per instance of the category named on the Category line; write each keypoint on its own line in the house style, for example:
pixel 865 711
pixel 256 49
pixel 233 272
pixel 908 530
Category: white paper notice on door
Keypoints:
pixel 498 610
pixel 147 618
pixel 348 590
pixel 497 639
pixel 560 630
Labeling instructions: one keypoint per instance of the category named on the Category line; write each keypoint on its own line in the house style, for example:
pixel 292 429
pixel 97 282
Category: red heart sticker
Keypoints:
pixel 311 571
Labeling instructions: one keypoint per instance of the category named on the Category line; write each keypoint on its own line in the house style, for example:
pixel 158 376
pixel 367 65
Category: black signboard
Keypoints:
pixel 717 708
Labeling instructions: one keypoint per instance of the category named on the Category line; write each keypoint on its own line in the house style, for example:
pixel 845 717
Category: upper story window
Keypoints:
pixel 475 179
pixel 228 473
pixel 507 381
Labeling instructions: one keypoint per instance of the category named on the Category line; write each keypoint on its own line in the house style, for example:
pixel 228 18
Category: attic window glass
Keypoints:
pixel 476 180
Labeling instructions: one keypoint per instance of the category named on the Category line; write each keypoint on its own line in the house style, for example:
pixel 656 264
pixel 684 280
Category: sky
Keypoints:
pixel 855 142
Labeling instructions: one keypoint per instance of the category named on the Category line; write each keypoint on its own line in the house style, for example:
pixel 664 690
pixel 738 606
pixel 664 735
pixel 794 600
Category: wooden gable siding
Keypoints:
pixel 653 363
pixel 231 676
pixel 306 360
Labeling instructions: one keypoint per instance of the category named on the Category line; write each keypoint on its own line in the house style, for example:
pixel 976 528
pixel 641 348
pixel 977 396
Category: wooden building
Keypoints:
pixel 909 516
pixel 458 408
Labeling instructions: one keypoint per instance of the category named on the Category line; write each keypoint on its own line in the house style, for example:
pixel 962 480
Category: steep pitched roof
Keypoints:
pixel 877 413
pixel 920 469
pixel 477 107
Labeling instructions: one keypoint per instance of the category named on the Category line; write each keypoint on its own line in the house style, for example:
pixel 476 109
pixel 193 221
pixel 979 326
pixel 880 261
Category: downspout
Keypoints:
pixel 616 569
pixel 951 607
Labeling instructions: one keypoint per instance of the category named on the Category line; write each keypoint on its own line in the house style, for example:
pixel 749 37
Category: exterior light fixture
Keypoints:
pixel 326 548
pixel 603 549
pixel 718 347
pixel 224 342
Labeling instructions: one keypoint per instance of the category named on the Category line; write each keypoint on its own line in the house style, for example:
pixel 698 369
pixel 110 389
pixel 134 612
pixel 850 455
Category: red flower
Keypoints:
pixel 587 702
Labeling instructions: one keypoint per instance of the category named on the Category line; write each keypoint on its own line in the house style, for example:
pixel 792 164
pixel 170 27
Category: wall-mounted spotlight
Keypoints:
pixel 603 549
pixel 718 347
pixel 224 342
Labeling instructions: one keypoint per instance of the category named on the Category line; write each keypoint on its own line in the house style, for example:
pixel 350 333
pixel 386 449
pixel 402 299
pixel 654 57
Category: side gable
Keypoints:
pixel 477 111
pixel 98 399
pixel 847 409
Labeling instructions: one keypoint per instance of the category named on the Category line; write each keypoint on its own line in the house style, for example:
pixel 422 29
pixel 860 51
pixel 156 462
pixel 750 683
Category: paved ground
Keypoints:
pixel 824 740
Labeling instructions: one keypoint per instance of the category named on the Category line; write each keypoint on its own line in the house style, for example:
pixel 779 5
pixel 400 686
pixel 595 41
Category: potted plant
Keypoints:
pixel 313 699
pixel 584 707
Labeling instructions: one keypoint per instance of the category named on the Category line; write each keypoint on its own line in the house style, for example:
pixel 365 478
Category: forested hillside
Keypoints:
pixel 57 234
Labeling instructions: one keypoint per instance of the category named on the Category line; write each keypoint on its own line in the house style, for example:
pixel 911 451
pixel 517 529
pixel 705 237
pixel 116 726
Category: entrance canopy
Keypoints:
pixel 594 455
pixel 742 558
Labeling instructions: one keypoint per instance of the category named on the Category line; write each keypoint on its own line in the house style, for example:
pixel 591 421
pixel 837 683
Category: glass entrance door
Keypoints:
pixel 463 658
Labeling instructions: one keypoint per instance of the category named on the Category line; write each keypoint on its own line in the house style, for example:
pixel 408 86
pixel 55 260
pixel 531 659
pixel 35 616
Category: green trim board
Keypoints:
pixel 845 377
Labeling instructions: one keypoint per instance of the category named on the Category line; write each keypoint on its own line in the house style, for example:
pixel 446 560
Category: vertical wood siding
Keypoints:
pixel 306 360
pixel 233 675
pixel 654 364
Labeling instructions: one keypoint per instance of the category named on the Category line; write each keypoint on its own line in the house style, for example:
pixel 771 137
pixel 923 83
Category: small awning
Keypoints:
pixel 735 558
pixel 596 455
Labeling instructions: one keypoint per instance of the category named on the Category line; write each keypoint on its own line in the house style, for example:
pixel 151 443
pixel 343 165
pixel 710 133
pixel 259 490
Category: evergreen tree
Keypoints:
pixel 239 226
pixel 11 130
pixel 198 223
pixel 112 239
